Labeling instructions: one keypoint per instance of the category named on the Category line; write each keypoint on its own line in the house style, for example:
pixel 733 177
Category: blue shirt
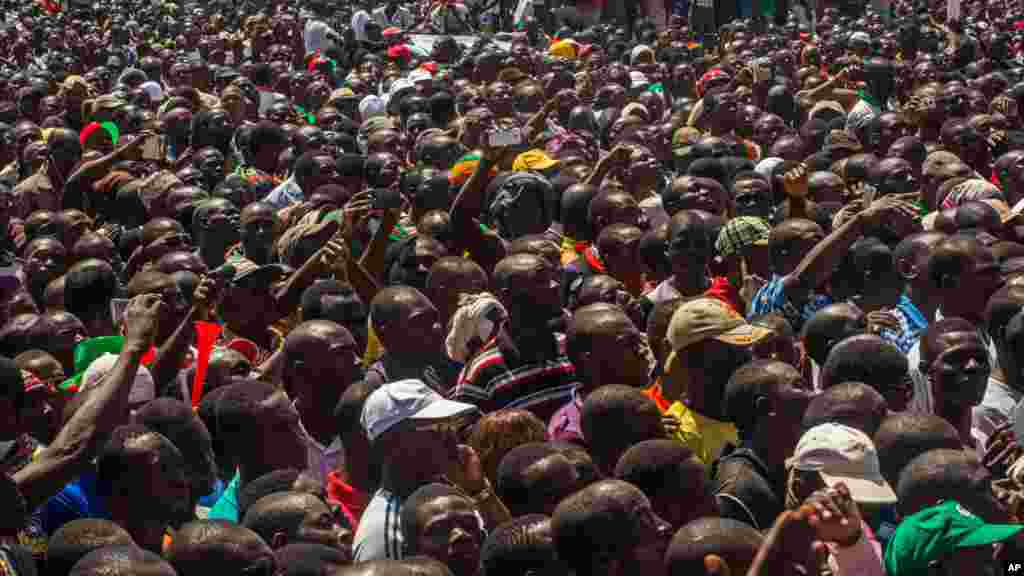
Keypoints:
pixel 79 499
pixel 772 298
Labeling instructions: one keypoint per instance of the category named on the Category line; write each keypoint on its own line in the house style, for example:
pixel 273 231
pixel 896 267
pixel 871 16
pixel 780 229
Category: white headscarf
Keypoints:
pixel 473 325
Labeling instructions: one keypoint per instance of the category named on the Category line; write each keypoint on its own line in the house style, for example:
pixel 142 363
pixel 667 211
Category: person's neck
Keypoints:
pixel 960 418
pixel 766 447
pixel 399 482
pixel 533 336
pixel 923 303
pixel 323 428
pixel 212 250
pixel 691 285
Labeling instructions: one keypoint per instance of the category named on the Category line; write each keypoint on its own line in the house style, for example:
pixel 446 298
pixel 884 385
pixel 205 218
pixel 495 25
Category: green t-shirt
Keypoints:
pixel 226 507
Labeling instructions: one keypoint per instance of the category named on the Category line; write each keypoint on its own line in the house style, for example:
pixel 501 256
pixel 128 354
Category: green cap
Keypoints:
pixel 113 130
pixel 88 351
pixel 933 532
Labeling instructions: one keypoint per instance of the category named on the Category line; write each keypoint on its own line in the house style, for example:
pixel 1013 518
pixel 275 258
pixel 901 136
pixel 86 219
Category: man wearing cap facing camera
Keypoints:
pixel 413 431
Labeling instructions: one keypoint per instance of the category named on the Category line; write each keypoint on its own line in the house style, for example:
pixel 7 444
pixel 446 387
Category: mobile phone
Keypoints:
pixel 505 138
pixel 152 148
pixel 387 198
pixel 117 308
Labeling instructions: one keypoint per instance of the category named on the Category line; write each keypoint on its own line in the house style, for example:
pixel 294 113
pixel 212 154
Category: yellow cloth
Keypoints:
pixel 705 436
pixel 374 349
pixel 568 250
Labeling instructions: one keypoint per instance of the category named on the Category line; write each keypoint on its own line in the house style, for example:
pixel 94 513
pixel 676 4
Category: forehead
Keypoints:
pixel 445 505
pixel 958 339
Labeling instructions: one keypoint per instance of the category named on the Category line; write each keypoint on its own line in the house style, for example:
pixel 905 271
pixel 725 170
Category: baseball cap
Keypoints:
pixel 250 273
pixel 843 454
pixel 533 160
pixel 403 400
pixel 741 233
pixel 705 318
pixel 926 536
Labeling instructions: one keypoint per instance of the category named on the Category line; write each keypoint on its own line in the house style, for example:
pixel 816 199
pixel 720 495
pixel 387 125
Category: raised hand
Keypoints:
pixel 142 319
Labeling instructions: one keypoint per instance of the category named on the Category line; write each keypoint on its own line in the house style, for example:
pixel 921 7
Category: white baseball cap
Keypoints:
pixel 843 454
pixel 403 400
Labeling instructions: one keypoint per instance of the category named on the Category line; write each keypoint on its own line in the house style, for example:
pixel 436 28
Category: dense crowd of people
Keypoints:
pixel 287 290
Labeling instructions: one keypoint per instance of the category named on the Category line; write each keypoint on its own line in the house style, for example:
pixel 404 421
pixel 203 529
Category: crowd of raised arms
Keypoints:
pixel 512 288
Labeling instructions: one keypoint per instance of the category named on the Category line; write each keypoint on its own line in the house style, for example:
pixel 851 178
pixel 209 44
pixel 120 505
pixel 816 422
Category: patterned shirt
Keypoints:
pixel 912 325
pixel 498 379
pixel 772 298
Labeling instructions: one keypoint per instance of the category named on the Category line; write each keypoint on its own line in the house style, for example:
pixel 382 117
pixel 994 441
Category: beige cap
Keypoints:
pixel 705 318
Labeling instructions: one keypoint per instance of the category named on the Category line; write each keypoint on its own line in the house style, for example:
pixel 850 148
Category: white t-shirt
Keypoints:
pixel 379 536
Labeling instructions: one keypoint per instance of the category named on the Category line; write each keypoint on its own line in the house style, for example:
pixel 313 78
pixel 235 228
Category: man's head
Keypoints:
pixel 406 322
pixel 606 348
pixel 731 540
pixel 320 362
pixel 671 477
pixel 533 478
pixel 870 359
pixel 709 342
pixel 258 229
pixel 527 285
pixel 767 395
pixel 122 559
pixel 690 248
pixel 413 429
pixel 292 517
pixel 441 522
pixel 790 240
pixel 830 326
pixel 142 475
pixel 259 426
pixel 955 360
pixel 946 539
pixel 852 404
pixel 176 421
pixel 939 475
pixel 76 539
pixel 519 546
pixel 963 275
pixel 217 546
pixel 610 528
pixel 616 403
pixel 830 454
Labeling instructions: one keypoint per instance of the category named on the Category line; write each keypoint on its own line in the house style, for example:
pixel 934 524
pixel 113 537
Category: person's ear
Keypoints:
pixel 907 268
pixel 763 405
pixel 278 540
pixel 715 565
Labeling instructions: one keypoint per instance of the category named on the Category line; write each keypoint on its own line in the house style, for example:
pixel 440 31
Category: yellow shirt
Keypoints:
pixel 705 436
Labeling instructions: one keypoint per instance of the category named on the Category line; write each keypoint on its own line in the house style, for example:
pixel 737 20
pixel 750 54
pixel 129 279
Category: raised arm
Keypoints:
pixel 105 407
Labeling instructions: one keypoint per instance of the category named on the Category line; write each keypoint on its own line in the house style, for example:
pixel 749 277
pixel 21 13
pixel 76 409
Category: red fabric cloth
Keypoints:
pixel 654 393
pixel 351 500
pixel 207 334
pixel 593 260
pixel 724 291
